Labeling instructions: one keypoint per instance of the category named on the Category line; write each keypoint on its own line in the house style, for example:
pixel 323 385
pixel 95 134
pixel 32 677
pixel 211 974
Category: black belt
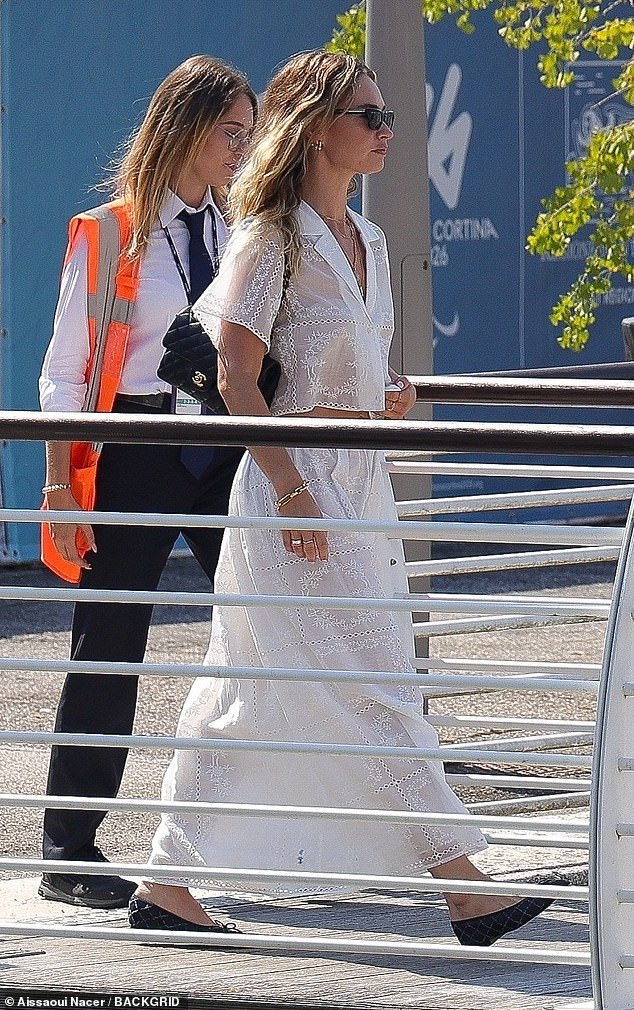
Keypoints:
pixel 157 400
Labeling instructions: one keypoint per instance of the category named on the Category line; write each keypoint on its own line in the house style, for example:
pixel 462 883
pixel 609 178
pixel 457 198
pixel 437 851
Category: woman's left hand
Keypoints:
pixel 399 402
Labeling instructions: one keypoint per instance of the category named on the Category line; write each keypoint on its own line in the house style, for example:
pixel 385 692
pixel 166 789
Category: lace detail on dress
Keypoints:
pixel 332 348
pixel 346 483
pixel 248 287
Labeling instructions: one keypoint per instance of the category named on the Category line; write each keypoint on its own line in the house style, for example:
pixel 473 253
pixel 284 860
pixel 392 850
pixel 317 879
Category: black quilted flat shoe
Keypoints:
pixel 144 915
pixel 484 930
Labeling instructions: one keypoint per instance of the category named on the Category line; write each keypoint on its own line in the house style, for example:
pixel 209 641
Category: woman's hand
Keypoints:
pixel 399 402
pixel 69 537
pixel 305 544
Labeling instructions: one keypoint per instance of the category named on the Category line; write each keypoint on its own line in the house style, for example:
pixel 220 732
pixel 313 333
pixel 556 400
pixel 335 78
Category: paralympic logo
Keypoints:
pixel 448 146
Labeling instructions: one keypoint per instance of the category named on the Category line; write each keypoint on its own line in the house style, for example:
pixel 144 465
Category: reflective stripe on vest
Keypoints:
pixel 112 282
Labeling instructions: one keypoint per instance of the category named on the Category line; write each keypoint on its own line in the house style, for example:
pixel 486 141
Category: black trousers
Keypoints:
pixel 134 478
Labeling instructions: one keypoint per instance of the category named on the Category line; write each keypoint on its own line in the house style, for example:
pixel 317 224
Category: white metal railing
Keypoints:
pixel 410 463
pixel 536 831
pixel 460 532
pixel 510 562
pixel 532 742
pixel 309 945
pixel 611 830
pixel 446 753
pixel 520 500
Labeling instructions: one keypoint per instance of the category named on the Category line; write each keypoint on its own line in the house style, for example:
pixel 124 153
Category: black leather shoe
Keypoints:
pixel 485 930
pixel 98 891
pixel 144 915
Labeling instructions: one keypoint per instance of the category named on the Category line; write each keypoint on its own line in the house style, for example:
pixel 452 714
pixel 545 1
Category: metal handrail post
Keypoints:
pixel 611 870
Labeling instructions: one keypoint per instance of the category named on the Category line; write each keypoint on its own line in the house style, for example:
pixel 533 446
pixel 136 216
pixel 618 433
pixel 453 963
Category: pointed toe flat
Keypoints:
pixel 144 915
pixel 484 930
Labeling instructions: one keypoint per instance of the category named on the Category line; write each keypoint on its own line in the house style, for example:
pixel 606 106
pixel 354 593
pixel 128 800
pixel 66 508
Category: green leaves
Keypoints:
pixel 604 172
pixel 350 36
pixel 598 198
pixel 608 40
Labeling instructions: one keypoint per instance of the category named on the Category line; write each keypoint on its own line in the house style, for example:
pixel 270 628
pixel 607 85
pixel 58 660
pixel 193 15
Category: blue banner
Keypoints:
pixel 498 143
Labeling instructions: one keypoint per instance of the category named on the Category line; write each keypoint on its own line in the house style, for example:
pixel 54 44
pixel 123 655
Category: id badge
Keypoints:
pixel 183 403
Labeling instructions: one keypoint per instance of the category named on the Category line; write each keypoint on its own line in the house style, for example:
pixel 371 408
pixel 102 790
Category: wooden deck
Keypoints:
pixel 264 979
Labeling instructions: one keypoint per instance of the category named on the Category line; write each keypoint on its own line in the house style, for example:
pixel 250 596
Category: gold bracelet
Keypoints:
pixel 284 500
pixel 55 487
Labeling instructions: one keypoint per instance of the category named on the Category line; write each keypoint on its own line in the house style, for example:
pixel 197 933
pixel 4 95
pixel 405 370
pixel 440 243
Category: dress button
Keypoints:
pixel 393 561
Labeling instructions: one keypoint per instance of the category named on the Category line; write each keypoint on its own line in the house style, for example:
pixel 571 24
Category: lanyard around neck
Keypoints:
pixel 215 255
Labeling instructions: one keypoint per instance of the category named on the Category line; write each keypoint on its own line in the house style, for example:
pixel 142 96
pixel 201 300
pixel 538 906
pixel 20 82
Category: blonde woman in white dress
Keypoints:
pixel 306 278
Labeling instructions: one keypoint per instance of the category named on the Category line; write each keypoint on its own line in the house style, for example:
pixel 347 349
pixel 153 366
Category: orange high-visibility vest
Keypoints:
pixel 113 283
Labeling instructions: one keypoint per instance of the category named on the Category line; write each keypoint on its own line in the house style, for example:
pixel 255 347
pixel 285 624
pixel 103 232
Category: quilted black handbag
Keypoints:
pixel 190 362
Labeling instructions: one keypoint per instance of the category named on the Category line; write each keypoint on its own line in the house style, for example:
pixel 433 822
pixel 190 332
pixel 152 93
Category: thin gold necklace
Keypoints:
pixel 335 220
pixel 349 236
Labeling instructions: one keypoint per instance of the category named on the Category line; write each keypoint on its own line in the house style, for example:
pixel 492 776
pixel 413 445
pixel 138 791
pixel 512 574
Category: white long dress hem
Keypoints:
pixel 346 484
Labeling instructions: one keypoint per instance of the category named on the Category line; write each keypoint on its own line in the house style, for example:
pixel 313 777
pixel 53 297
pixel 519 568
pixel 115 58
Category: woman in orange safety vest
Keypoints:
pixel 130 266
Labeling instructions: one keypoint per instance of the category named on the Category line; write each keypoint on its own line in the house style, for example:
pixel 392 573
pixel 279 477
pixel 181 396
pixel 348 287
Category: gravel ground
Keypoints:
pixel 36 629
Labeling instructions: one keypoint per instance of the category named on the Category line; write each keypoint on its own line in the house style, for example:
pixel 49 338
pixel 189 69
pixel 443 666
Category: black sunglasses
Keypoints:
pixel 373 117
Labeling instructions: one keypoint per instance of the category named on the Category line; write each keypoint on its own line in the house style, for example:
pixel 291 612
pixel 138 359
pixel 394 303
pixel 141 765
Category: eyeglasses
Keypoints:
pixel 375 118
pixel 237 140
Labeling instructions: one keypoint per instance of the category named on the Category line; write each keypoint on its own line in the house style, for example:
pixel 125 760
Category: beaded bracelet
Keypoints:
pixel 284 500
pixel 55 487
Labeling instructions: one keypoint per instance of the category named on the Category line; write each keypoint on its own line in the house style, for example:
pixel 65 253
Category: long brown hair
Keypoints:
pixel 184 108
pixel 300 101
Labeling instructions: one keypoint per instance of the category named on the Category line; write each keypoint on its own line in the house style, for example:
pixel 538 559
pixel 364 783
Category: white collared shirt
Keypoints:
pixel 160 296
pixel 331 343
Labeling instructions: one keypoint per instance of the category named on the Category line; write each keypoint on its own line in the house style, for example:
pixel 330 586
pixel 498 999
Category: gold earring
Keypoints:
pixel 318 145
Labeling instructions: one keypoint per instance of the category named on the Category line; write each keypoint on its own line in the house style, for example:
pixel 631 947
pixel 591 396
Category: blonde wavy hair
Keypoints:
pixel 184 108
pixel 301 100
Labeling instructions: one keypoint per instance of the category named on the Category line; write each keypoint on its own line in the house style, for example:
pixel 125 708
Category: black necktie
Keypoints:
pixel 201 270
pixel 197 458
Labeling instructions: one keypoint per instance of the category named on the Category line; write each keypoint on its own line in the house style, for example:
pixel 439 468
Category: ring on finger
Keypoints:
pixel 296 543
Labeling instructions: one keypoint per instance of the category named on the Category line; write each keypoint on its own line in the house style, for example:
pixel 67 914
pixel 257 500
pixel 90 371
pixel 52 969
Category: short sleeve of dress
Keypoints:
pixel 248 286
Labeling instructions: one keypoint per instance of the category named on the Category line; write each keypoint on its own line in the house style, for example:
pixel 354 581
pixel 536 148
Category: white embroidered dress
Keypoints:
pixel 333 348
